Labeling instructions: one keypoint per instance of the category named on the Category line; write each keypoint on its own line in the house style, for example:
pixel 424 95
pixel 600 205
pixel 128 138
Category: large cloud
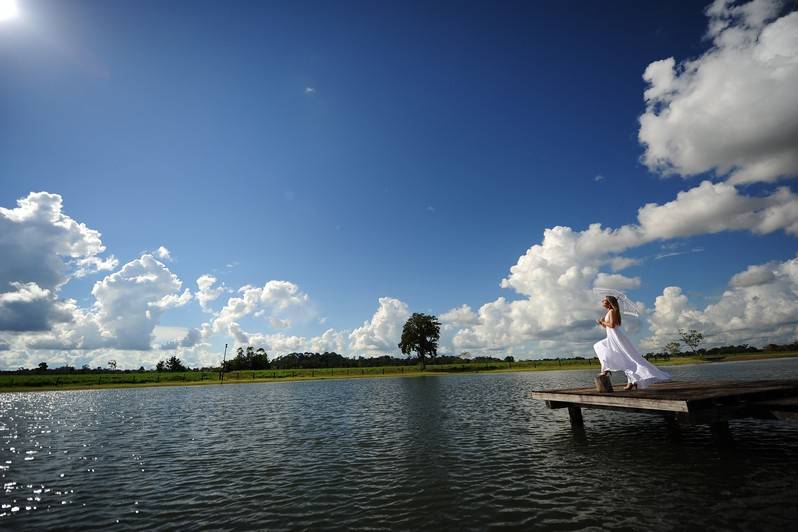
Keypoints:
pixel 128 305
pixel 277 301
pixel 280 343
pixel 382 333
pixel 331 341
pixel 759 306
pixel 129 302
pixel 734 109
pixel 378 335
pixel 459 317
pixel 41 249
pixel 29 307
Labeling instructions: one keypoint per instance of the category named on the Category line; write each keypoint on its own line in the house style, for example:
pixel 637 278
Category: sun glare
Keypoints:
pixel 8 10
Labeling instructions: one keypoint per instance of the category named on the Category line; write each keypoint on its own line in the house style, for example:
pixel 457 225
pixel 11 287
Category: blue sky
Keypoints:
pixel 359 150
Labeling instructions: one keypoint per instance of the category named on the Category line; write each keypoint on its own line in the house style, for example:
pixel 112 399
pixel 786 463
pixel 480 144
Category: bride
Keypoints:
pixel 617 353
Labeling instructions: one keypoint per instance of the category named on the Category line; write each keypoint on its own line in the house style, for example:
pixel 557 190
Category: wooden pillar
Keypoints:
pixel 674 427
pixel 671 421
pixel 720 431
pixel 575 413
pixel 603 384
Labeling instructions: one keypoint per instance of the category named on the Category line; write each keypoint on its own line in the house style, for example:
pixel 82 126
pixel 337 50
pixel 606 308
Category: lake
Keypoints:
pixel 449 452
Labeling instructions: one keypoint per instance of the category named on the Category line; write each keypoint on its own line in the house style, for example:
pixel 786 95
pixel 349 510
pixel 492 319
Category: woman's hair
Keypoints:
pixel 615 307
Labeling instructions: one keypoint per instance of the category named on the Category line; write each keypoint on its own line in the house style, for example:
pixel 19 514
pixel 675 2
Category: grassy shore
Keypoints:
pixel 90 381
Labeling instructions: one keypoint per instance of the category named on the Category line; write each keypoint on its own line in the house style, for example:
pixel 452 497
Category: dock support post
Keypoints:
pixel 720 431
pixel 575 413
pixel 673 426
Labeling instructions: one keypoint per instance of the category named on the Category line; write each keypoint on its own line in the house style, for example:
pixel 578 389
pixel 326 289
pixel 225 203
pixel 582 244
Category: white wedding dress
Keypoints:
pixel 617 353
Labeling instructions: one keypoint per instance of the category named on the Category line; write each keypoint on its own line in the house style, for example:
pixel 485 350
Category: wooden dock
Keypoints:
pixel 687 402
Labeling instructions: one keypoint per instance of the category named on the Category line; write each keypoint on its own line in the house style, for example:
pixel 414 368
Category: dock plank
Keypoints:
pixel 691 401
pixel 616 399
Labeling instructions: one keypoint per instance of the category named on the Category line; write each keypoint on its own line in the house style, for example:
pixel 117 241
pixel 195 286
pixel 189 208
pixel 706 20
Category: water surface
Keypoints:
pixel 462 451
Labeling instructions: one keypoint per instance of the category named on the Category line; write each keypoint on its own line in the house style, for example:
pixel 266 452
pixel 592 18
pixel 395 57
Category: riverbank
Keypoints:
pixel 98 381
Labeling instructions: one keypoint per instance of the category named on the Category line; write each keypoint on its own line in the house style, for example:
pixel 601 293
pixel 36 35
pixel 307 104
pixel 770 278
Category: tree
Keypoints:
pixel 691 338
pixel 112 365
pixel 249 358
pixel 420 334
pixel 42 366
pixel 673 348
pixel 175 364
pixel 509 358
pixel 160 366
pixel 260 360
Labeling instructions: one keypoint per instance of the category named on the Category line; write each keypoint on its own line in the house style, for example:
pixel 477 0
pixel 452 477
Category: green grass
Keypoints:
pixel 74 381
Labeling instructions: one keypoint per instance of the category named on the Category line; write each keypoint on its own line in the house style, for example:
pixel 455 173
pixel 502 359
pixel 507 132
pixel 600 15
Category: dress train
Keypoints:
pixel 617 353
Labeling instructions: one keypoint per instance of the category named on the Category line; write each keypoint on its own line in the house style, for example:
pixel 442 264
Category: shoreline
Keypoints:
pixel 684 361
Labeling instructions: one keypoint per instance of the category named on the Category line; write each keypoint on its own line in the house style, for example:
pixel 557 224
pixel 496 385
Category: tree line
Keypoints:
pixel 419 342
pixel 306 360
pixel 692 339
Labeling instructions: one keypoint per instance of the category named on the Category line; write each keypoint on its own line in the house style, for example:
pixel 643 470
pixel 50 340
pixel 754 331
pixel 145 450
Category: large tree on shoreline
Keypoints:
pixel 420 334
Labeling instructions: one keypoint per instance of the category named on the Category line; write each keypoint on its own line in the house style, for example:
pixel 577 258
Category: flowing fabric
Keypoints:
pixel 617 353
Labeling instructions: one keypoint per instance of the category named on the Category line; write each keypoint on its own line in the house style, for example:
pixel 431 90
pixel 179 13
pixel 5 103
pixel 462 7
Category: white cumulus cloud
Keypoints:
pixel 29 307
pixel 759 306
pixel 616 280
pixel 207 291
pixel 278 300
pixel 127 308
pixel 130 301
pixel 162 253
pixel 459 316
pixel 734 109
pixel 42 248
pixel 382 333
